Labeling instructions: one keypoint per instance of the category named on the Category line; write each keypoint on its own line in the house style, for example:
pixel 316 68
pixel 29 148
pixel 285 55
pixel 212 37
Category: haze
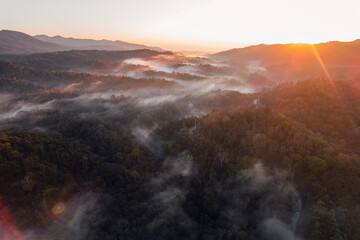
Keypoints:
pixel 188 25
pixel 187 127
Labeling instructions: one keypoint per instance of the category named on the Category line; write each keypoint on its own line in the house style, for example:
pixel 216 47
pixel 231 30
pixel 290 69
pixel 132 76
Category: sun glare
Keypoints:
pixel 318 57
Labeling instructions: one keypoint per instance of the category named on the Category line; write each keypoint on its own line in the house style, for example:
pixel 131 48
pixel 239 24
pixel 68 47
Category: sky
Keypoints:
pixel 191 25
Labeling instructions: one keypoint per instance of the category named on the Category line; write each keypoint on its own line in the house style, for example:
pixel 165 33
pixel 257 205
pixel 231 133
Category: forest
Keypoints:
pixel 158 145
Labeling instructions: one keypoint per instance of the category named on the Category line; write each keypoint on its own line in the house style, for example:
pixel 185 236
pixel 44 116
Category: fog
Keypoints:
pixel 140 94
pixel 174 78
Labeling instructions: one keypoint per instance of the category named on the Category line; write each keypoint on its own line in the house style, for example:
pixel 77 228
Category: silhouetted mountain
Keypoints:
pixel 12 42
pixel 287 62
pixel 90 44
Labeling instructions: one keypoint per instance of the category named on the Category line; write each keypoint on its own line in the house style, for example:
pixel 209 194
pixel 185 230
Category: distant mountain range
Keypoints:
pixel 13 42
pixel 90 44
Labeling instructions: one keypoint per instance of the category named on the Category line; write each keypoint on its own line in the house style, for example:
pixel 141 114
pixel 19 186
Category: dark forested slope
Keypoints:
pixel 102 156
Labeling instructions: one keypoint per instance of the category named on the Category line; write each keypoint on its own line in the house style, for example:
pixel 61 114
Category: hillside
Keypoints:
pixel 13 42
pixel 287 62
pixel 149 145
pixel 90 44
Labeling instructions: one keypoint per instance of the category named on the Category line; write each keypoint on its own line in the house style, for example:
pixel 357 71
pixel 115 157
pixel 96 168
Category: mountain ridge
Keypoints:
pixel 293 62
pixel 15 42
pixel 356 41
pixel 92 44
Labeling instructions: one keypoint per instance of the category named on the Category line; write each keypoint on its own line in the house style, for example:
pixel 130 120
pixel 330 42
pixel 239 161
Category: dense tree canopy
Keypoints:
pixel 75 150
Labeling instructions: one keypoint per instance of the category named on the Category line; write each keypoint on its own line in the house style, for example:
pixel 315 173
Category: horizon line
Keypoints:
pixel 214 48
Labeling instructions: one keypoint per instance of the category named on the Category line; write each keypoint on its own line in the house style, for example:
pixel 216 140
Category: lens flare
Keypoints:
pixel 323 66
pixel 8 228
pixel 49 194
pixel 58 208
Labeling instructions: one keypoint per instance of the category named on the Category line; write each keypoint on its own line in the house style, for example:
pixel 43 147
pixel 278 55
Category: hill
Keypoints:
pixel 287 62
pixel 12 42
pixel 90 44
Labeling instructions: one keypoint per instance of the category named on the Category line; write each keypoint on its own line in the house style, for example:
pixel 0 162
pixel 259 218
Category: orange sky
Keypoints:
pixel 203 25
